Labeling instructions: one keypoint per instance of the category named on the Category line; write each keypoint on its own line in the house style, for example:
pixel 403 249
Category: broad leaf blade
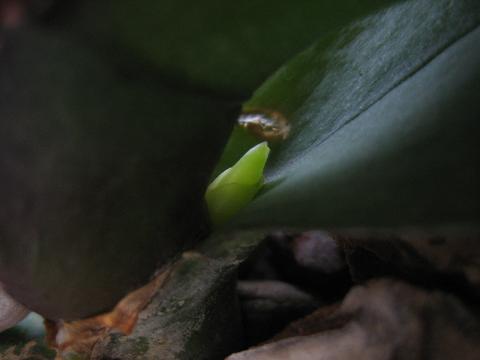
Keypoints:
pixel 384 120
pixel 102 175
pixel 227 46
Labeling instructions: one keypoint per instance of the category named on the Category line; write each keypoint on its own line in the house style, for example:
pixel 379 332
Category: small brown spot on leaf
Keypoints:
pixel 265 124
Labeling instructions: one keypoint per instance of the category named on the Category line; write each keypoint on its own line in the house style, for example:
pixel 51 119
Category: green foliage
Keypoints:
pixel 112 118
pixel 229 47
pixel 384 124
pixel 235 187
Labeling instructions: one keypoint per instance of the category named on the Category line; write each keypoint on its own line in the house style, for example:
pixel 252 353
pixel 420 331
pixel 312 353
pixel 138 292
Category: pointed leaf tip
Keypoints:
pixel 234 188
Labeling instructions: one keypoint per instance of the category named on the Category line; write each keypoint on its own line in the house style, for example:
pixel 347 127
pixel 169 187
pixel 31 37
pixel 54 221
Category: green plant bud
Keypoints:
pixel 234 188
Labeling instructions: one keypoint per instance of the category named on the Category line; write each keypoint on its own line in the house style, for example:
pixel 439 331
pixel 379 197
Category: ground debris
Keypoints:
pixel 383 320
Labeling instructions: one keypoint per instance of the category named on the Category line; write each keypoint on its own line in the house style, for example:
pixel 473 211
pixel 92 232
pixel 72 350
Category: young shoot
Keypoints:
pixel 234 188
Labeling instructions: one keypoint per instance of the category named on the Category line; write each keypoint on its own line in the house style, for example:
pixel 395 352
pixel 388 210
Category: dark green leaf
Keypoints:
pixel 229 46
pixel 384 124
pixel 102 175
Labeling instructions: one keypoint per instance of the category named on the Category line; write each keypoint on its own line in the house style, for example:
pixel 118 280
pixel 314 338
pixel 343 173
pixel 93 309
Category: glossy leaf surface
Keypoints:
pixel 384 124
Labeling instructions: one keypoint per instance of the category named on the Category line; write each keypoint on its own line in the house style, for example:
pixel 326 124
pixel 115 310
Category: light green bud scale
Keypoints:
pixel 234 188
